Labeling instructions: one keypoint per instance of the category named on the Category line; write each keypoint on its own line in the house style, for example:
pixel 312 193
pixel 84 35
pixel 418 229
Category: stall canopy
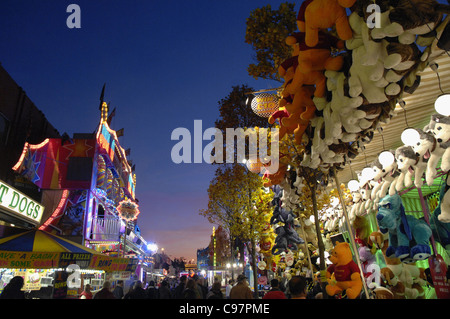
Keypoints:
pixel 40 250
pixel 41 241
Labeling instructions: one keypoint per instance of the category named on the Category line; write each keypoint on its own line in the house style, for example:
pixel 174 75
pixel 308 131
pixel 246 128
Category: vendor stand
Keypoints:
pixel 56 268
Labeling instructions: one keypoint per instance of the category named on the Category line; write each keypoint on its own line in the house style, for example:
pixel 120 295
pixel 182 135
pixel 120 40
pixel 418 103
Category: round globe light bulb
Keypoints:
pixel 386 158
pixel 353 185
pixel 410 136
pixel 367 174
pixel 442 104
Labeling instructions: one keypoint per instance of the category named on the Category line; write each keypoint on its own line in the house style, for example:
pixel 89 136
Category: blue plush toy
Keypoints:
pixel 403 230
pixel 441 231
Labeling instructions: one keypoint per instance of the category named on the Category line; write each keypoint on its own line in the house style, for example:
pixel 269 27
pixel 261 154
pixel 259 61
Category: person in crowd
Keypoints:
pixel 86 293
pixel 215 292
pixel 316 290
pixel 297 287
pixel 118 290
pixel 164 291
pixel 190 290
pixel 152 291
pixel 275 292
pixel 241 290
pixel 130 290
pixel 198 287
pixel 105 292
pixel 228 288
pixel 178 292
pixel 13 289
pixel 138 292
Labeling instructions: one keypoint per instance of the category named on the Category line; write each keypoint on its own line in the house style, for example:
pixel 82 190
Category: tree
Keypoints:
pixel 238 202
pixel 266 31
pixel 235 112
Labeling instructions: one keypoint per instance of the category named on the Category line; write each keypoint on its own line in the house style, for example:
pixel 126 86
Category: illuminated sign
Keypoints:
pixel 19 204
pixel 128 210
pixel 265 104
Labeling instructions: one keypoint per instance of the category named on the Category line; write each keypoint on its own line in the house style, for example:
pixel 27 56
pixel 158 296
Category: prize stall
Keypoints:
pixel 55 268
pixel 363 181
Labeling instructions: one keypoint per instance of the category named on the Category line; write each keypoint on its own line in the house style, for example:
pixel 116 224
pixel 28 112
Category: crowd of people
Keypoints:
pixel 194 287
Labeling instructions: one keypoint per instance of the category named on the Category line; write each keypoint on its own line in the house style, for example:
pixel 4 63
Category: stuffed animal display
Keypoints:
pixel 403 280
pixel 282 220
pixel 412 165
pixel 344 273
pixel 408 236
pixel 440 224
pixel 338 90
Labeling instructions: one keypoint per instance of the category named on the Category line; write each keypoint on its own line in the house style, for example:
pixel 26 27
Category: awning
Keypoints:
pixel 40 250
pixel 40 241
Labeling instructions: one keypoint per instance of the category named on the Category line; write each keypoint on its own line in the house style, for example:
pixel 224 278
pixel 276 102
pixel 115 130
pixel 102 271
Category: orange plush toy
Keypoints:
pixel 318 57
pixel 280 115
pixel 301 110
pixel 314 15
pixel 311 64
pixel 344 273
pixel 277 178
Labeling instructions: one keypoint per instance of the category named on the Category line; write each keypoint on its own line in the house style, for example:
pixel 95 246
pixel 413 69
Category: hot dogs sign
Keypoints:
pixel 20 205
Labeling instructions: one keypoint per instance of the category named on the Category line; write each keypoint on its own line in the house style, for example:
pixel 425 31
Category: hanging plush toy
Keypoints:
pixel 344 273
pixel 276 178
pixel 409 18
pixel 440 127
pixel 300 111
pixel 406 159
pixel 287 239
pixel 315 15
pixel 424 147
pixel 403 230
pixel 440 224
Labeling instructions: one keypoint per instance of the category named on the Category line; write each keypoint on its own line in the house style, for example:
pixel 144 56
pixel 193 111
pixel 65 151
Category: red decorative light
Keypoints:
pixel 57 211
pixel 128 210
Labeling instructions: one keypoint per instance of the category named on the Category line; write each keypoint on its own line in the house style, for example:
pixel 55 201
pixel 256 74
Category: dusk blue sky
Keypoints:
pixel 165 64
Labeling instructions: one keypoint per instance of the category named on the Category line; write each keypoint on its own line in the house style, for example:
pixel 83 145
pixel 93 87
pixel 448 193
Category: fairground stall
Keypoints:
pixel 55 268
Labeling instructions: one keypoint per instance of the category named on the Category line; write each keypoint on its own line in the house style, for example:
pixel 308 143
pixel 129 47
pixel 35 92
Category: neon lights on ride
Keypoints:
pixel 57 211
pixel 28 147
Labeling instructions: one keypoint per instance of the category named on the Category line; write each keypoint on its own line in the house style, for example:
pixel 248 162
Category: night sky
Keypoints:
pixel 165 64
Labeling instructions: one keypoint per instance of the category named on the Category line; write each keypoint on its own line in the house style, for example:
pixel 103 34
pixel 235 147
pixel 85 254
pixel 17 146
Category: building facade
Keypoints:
pixel 72 187
pixel 20 122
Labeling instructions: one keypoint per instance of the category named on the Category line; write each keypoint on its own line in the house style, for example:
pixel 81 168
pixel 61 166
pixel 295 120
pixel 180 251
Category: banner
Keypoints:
pixel 109 264
pixel 37 260
pixel 81 259
pixel 25 260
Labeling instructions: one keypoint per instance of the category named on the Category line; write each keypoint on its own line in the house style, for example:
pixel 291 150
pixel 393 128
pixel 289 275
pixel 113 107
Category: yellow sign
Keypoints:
pixel 108 264
pixel 26 260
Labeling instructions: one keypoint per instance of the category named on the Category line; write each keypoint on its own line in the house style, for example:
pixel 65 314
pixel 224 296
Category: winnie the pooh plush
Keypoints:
pixel 344 273
pixel 315 15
